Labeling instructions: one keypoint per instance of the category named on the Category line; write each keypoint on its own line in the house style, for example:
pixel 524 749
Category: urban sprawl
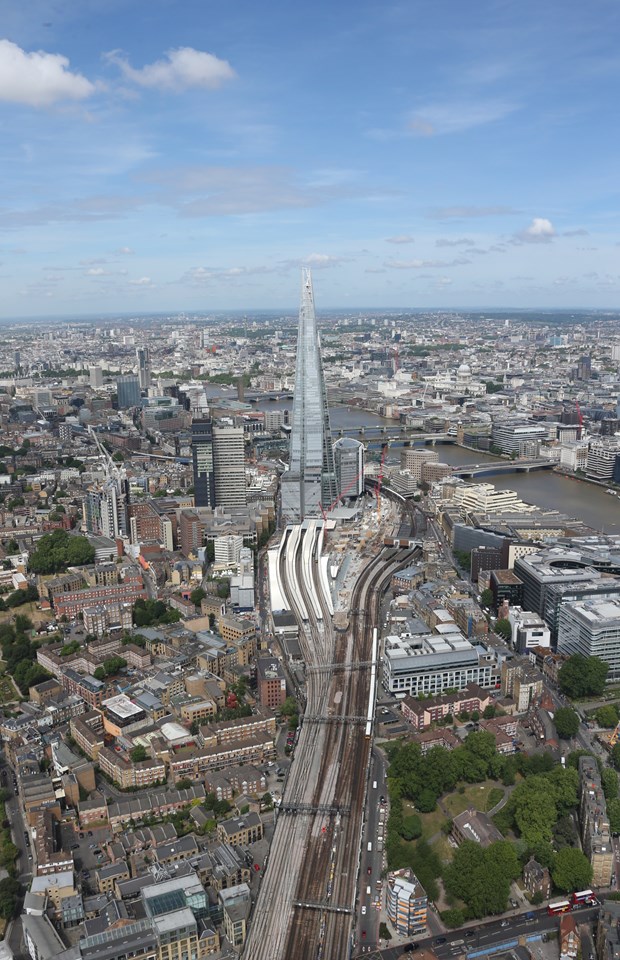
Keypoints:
pixel 288 669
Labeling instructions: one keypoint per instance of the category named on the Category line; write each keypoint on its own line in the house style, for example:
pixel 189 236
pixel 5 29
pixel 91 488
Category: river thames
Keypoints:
pixel 548 490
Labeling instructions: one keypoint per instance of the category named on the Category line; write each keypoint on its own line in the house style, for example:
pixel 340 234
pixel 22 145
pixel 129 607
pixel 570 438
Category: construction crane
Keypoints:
pixel 112 469
pixel 579 414
pixel 342 493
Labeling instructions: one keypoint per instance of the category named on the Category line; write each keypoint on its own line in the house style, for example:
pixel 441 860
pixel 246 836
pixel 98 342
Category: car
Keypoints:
pixel 364 910
pixel 382 800
pixel 90 833
pixel 439 940
pixel 513 904
pixel 470 933
pixel 505 923
pixel 410 947
pixel 369 871
pixel 81 835
pixel 363 934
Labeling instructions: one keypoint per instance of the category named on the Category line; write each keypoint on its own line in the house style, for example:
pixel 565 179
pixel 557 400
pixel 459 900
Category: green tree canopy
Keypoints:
pixel 138 754
pixel 58 550
pixel 486 598
pixel 607 716
pixel 566 722
pixel 503 628
pixel 571 870
pixel 583 676
pixel 481 878
pixel 197 596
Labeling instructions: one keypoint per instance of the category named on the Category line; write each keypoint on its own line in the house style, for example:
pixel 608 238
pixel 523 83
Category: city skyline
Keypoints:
pixel 416 157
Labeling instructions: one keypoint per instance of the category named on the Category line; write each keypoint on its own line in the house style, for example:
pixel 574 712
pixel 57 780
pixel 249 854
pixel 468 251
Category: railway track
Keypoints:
pixel 306 903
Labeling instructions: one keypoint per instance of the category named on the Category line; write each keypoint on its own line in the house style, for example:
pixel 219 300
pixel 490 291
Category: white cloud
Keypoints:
pixel 141 282
pixel 540 230
pixel 581 232
pixel 405 238
pixel 125 250
pixel 441 118
pixel 38 79
pixel 465 213
pixel 182 68
pixel 459 242
pixel 96 272
pixel 422 264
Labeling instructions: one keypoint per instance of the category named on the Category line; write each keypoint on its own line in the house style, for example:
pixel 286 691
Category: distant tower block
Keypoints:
pixel 240 390
pixel 309 486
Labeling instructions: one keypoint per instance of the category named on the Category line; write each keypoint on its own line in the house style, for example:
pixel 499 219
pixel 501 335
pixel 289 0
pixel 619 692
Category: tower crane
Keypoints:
pixel 112 470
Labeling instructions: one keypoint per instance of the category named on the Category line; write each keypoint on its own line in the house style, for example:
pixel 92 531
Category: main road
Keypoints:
pixel 306 905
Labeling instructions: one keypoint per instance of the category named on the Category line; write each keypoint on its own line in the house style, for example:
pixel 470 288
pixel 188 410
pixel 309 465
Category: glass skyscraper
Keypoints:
pixel 309 486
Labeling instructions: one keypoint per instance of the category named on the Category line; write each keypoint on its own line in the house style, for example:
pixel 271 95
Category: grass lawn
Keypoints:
pixel 8 693
pixel 444 849
pixel 476 795
pixel 431 822
pixel 31 610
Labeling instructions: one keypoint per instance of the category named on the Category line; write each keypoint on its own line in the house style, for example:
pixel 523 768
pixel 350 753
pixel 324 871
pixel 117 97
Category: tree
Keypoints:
pixel 113 665
pixel 211 621
pixel 197 596
pixel 184 784
pixel 572 870
pixel 564 832
pixel 138 754
pixel 504 629
pixel 566 722
pixel 486 598
pixel 9 896
pixel 535 809
pixel 453 918
pixel 289 707
pixel 489 712
pixel 609 781
pixel 99 674
pixel 583 676
pixel 58 550
pixel 613 812
pixel 607 716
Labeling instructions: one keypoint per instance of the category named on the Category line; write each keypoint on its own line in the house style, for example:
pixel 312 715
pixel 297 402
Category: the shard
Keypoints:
pixel 309 486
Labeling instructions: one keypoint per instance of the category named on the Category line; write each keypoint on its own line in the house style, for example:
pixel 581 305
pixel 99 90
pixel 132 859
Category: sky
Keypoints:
pixel 192 155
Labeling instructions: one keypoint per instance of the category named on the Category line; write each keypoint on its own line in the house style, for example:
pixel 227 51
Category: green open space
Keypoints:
pixel 476 795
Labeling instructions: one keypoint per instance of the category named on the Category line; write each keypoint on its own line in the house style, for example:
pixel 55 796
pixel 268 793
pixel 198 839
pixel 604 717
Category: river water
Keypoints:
pixel 544 488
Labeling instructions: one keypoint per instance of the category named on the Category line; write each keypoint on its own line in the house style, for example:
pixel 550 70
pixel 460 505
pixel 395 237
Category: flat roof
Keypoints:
pixel 122 706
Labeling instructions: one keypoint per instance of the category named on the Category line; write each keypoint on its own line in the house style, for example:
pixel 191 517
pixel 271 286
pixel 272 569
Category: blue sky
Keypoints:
pixel 191 155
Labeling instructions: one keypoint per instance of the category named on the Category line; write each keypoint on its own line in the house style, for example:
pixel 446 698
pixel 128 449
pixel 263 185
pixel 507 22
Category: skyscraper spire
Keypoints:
pixel 309 486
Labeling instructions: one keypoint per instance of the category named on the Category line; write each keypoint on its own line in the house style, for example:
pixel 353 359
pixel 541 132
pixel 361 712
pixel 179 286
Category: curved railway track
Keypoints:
pixel 306 903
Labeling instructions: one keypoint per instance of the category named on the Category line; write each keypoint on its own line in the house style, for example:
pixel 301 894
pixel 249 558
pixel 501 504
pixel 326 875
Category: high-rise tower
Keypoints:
pixel 309 486
pixel 143 357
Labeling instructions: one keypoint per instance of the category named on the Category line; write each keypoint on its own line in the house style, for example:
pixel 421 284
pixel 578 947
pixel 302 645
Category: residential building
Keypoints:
pixel 595 832
pixel 271 682
pixel 537 879
pixel 570 941
pixel 236 905
pixel 407 903
pixel 475 826
pixel 422 713
pixel 241 831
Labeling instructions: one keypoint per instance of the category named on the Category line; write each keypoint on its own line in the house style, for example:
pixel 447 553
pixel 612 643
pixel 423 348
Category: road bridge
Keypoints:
pixel 511 466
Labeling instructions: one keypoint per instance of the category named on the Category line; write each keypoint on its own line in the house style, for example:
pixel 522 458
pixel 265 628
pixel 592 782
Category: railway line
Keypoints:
pixel 307 899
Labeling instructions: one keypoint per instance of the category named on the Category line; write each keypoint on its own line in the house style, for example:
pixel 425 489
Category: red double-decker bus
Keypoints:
pixel 583 897
pixel 562 906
